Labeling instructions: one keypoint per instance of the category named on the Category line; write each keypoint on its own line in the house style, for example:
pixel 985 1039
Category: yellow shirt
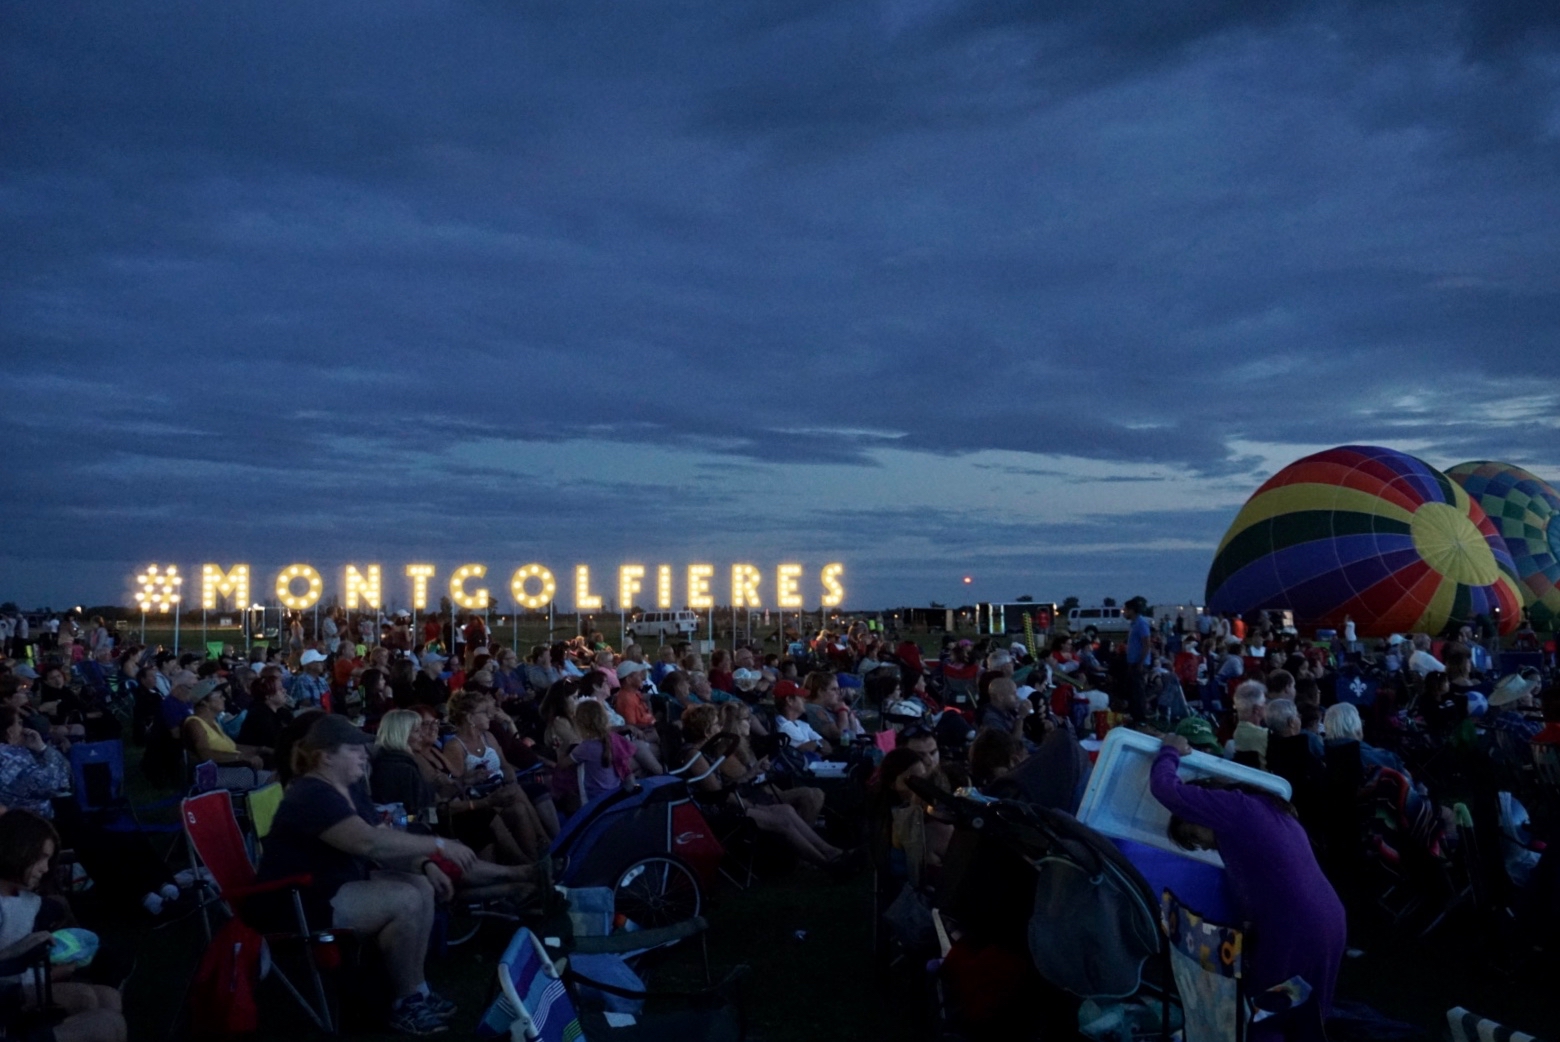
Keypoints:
pixel 216 739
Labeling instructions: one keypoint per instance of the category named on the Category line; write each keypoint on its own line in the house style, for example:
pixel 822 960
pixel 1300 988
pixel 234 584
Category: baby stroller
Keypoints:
pixel 649 844
pixel 1047 912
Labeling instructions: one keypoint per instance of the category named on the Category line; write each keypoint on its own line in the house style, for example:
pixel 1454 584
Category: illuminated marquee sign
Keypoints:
pixel 533 586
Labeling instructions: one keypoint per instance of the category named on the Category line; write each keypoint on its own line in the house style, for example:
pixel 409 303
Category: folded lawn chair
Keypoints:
pixel 540 1003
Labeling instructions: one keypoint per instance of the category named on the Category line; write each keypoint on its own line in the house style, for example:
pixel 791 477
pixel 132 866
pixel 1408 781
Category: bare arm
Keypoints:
pixel 454 757
pixel 352 835
pixel 200 742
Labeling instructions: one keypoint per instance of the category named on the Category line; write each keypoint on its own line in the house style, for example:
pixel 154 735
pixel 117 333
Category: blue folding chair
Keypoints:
pixel 97 771
pixel 535 997
pixel 537 1002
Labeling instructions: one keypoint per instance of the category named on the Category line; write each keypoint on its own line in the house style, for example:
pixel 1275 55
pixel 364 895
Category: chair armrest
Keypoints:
pixel 270 886
pixel 21 962
pixel 639 940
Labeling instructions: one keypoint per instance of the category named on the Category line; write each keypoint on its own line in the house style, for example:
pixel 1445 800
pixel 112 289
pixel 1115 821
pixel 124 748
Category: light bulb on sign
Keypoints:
pixel 476 601
pixel 699 576
pixel 158 589
pixel 663 587
pixel 533 601
pixel 284 587
pixel 584 600
pixel 364 588
pixel 833 589
pixel 744 586
pixel 420 574
pixel 630 582
pixel 788 586
pixel 216 584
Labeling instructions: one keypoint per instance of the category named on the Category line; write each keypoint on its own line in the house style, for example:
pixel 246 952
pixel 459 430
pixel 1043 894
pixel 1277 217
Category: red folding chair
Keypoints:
pixel 215 840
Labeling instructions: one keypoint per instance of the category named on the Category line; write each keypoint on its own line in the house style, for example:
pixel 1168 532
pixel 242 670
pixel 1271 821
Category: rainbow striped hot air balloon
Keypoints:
pixel 1370 533
pixel 1524 508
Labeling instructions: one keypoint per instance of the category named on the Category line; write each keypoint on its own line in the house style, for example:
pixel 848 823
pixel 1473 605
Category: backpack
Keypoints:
pixel 222 996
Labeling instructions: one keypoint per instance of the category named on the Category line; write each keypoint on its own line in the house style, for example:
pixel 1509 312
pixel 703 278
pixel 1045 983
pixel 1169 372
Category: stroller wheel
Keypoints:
pixel 657 891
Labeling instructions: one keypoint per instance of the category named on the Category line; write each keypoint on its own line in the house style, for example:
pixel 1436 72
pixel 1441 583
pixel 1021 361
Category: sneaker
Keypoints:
pixel 416 1017
pixel 441 1006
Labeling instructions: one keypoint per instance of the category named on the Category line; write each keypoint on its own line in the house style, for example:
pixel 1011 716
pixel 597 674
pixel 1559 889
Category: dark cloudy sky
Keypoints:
pixel 1032 291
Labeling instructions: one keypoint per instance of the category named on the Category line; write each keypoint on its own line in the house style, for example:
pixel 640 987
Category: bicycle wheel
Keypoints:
pixel 657 891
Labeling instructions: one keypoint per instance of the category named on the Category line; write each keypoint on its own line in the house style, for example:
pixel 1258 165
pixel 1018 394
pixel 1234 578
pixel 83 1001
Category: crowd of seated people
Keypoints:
pixel 487 749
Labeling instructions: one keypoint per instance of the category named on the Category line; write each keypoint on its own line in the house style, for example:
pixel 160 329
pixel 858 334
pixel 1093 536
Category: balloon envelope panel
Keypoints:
pixel 1370 533
pixel 1524 509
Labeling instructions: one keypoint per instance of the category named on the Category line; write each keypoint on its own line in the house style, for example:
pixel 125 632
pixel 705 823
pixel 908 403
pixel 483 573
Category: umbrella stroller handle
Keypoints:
pixel 1012 818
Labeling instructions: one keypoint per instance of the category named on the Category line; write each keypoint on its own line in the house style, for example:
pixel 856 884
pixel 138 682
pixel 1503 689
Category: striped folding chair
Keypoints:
pixel 535 997
pixel 1206 960
pixel 1470 1027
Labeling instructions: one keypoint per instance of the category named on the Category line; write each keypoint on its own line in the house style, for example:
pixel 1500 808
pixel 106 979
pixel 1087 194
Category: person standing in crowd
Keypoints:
pixel 330 630
pixel 27 639
pixel 100 639
pixel 1138 655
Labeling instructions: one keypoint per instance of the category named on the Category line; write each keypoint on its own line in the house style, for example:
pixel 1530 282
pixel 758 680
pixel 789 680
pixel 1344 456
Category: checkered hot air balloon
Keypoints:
pixel 1370 533
pixel 1523 508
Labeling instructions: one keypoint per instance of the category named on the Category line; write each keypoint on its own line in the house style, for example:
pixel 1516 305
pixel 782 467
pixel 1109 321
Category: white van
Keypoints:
pixel 661 625
pixel 1096 620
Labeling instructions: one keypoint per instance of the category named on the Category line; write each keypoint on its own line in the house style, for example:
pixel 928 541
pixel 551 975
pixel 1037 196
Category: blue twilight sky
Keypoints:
pixel 1033 292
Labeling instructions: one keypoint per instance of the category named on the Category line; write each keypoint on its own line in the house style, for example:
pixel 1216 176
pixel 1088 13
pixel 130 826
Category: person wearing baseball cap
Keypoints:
pixel 309 688
pixel 789 722
pixel 365 876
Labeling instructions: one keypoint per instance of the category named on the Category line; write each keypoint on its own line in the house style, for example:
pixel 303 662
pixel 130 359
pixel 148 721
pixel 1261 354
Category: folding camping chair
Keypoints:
pixel 540 1004
pixel 1205 961
pixel 260 807
pixel 97 772
pixel 216 842
pixel 31 969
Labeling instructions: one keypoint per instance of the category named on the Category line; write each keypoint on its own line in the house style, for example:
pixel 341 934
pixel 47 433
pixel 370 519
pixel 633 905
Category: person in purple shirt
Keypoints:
pixel 1297 923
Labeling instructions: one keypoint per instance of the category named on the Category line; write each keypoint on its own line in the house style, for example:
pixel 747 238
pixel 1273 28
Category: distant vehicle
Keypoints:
pixel 998 619
pixel 1097 619
pixel 661 624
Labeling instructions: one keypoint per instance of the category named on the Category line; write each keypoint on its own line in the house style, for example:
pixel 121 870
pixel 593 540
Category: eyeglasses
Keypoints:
pixel 916 731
